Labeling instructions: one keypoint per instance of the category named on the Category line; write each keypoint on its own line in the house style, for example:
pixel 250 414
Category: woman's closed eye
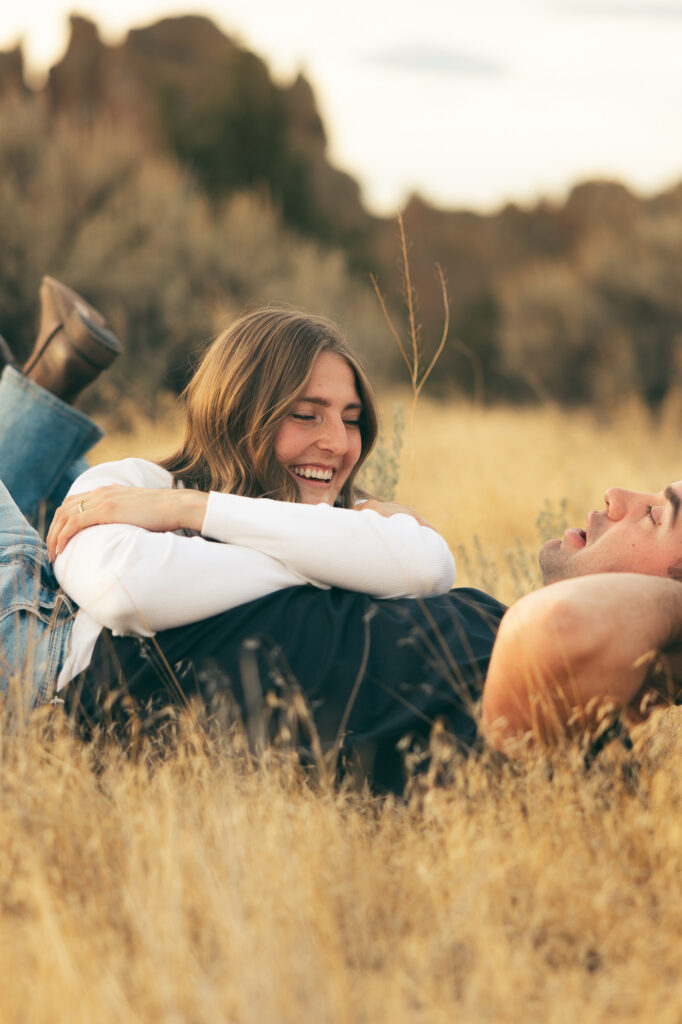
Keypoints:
pixel 307 417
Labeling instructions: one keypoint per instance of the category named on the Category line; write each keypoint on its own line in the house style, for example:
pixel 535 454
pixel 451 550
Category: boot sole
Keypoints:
pixel 62 295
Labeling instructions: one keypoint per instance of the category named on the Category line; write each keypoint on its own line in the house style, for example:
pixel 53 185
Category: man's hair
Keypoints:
pixel 244 387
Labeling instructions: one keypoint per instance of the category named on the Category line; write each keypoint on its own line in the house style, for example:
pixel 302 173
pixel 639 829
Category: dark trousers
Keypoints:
pixel 371 672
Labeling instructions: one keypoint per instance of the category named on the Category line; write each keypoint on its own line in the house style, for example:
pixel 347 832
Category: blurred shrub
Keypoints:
pixel 608 322
pixel 471 360
pixel 550 328
pixel 131 228
pixel 638 277
pixel 136 235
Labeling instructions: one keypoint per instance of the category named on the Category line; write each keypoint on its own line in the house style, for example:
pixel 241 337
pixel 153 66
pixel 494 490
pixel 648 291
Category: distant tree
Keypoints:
pixel 134 233
pixel 551 326
pixel 605 323
pixel 235 137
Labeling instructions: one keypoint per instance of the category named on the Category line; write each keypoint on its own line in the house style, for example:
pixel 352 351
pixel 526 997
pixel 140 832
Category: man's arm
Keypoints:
pixel 565 652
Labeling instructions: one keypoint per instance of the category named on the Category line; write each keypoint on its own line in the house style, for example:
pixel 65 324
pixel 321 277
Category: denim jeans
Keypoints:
pixel 36 617
pixel 42 443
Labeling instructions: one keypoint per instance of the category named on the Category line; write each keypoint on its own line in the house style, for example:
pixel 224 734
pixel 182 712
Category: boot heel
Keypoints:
pixel 101 335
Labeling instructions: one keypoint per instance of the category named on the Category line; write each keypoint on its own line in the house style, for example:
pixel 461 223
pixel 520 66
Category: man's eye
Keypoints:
pixel 655 519
pixel 302 416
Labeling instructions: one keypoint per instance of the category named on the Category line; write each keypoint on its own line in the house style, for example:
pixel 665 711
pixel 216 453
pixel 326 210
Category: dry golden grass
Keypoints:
pixel 489 473
pixel 198 888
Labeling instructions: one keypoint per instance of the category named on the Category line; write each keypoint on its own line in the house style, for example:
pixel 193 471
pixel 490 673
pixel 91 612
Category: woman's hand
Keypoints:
pixel 159 510
pixel 390 508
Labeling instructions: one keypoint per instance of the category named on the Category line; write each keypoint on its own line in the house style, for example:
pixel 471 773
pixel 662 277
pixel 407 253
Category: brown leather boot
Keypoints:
pixel 73 345
pixel 64 298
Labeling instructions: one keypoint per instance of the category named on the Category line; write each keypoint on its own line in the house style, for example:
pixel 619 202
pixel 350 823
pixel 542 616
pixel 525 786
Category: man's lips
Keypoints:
pixel 576 537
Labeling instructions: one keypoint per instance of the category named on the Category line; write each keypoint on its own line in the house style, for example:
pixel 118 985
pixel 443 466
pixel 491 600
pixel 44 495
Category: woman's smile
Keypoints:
pixel 320 441
pixel 321 473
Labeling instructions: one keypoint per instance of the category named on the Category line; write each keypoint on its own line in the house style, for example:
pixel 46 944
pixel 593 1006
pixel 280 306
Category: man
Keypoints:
pixel 592 637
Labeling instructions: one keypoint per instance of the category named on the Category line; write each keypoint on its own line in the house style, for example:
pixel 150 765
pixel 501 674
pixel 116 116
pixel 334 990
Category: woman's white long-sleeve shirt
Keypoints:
pixel 132 580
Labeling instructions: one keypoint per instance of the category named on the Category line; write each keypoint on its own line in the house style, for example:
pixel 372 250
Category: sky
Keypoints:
pixel 470 103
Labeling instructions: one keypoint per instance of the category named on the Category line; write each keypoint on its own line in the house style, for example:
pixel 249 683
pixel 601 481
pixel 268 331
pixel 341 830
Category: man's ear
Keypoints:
pixel 675 571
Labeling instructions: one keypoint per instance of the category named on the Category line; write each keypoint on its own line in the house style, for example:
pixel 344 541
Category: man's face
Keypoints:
pixel 636 532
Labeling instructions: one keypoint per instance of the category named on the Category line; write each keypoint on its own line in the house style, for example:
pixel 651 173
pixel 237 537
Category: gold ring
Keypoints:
pixel 81 506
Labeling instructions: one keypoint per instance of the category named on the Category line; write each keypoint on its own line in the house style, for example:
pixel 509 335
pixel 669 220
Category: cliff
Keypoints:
pixel 188 89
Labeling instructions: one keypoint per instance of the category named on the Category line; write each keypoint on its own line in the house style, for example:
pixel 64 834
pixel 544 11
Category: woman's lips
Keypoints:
pixel 312 481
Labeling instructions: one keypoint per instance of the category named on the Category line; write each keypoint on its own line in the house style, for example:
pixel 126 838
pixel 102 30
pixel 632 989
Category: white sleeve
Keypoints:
pixel 134 581
pixel 381 556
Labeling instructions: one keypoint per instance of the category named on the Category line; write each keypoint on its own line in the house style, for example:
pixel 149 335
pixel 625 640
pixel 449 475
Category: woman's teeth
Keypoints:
pixel 310 473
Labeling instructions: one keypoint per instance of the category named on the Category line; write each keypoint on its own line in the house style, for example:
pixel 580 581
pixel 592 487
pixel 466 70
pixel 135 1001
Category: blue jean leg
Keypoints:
pixel 36 617
pixel 42 442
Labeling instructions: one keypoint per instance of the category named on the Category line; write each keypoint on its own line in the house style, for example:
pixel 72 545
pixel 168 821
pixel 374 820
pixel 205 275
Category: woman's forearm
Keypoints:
pixel 158 510
pixel 131 579
pixel 134 580
pixel 384 556
pixel 380 554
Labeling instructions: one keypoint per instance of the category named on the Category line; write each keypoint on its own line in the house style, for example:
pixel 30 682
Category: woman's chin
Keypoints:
pixel 312 495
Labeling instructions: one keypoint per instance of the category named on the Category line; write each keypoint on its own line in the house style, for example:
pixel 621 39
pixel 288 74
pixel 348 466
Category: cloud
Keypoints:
pixel 424 58
pixel 625 9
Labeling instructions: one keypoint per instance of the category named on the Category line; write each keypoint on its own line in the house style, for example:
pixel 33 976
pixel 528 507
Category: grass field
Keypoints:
pixel 199 888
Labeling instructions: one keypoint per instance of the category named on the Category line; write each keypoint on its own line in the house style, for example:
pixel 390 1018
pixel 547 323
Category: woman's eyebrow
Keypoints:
pixel 673 497
pixel 326 403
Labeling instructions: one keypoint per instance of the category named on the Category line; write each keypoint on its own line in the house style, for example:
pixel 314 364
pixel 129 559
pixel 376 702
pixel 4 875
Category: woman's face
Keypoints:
pixel 319 441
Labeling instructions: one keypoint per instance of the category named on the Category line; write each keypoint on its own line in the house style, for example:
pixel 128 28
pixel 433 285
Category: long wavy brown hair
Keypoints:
pixel 245 385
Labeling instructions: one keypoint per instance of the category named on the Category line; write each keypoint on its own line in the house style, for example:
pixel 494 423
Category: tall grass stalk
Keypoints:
pixel 410 350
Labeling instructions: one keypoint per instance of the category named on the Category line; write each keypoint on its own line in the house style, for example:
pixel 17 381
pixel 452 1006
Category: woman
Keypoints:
pixel 280 418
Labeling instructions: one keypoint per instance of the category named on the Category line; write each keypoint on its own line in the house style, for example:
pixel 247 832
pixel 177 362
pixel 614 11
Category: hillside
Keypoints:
pixel 546 299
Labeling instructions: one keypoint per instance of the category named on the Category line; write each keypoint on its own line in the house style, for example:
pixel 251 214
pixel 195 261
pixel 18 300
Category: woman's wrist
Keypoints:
pixel 192 509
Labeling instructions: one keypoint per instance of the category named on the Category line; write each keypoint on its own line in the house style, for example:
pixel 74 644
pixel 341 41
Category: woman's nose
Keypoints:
pixel 334 437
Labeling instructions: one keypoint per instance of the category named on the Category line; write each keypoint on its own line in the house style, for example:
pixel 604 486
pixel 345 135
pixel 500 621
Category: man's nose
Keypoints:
pixel 619 502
